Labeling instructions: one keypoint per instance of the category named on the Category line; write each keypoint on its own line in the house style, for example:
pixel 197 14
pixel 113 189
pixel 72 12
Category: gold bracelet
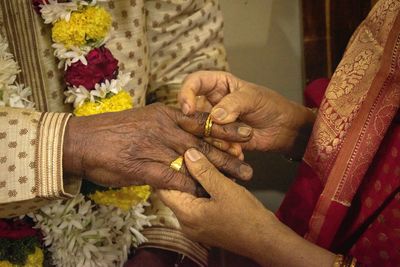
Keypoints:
pixel 339 260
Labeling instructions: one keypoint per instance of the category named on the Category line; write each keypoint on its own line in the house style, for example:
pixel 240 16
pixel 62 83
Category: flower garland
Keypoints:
pixel 99 229
pixel 12 94
pixel 20 244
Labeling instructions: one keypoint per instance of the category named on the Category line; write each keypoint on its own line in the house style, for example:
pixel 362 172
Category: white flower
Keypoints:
pixel 17 96
pixel 54 11
pixel 77 95
pixel 114 86
pixel 12 94
pixel 95 235
pixel 71 55
pixel 8 67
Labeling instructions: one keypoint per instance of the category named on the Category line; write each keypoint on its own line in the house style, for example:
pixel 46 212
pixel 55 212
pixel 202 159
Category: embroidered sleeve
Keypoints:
pixel 184 36
pixel 31 160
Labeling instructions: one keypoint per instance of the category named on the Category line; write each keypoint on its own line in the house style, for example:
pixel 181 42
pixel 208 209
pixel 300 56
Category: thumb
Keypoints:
pixel 231 107
pixel 205 173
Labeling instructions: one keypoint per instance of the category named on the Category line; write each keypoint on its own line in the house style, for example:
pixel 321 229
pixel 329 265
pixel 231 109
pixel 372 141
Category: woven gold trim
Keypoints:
pixel 174 240
pixel 49 157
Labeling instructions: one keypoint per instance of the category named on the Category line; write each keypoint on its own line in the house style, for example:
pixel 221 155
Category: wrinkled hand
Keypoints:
pixel 229 219
pixel 277 122
pixel 137 146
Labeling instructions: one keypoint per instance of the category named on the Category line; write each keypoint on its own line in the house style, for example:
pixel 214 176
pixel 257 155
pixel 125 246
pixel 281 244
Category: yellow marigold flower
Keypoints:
pixel 34 260
pixel 70 33
pixel 119 102
pixel 5 264
pixel 88 25
pixel 99 23
pixel 123 198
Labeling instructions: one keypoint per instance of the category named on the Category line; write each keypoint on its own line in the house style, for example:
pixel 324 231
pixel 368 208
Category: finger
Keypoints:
pixel 233 132
pixel 161 176
pixel 229 165
pixel 218 143
pixel 234 149
pixel 231 107
pixel 177 201
pixel 202 104
pixel 205 173
pixel 212 84
pixel 226 163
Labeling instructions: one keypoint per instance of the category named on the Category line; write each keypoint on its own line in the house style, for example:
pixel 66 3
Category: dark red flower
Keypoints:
pixel 17 229
pixel 101 66
pixel 36 4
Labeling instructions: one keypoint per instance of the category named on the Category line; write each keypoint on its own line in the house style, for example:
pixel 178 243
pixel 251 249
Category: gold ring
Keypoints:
pixel 176 165
pixel 208 126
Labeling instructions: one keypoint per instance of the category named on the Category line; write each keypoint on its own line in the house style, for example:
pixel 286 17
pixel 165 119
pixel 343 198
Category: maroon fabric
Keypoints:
pixel 371 229
pixel 315 92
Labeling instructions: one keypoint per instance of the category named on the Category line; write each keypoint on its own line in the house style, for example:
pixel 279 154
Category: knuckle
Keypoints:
pixel 168 177
pixel 204 147
pixel 200 118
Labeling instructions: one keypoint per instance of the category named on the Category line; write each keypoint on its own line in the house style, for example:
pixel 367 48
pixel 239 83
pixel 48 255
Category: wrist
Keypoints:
pixel 282 247
pixel 301 123
pixel 72 149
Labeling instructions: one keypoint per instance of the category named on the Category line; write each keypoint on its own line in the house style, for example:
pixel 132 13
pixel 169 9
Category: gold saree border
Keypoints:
pixel 363 138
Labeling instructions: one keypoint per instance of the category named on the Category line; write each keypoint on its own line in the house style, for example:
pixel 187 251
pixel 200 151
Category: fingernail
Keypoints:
pixel 244 131
pixel 185 109
pixel 219 114
pixel 246 170
pixel 193 155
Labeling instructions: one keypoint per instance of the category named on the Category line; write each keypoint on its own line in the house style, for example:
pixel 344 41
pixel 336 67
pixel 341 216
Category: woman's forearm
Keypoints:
pixel 284 248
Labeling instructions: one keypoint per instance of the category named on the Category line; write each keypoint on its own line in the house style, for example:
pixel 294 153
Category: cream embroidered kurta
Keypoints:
pixel 158 42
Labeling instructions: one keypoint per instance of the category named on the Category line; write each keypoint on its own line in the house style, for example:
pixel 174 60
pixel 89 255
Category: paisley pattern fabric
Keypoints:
pixel 346 195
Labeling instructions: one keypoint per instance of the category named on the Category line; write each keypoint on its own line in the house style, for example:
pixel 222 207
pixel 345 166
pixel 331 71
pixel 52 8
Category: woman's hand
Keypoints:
pixel 137 146
pixel 232 218
pixel 279 124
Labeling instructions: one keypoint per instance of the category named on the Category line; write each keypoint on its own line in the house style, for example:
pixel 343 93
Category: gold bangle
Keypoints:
pixel 353 262
pixel 339 260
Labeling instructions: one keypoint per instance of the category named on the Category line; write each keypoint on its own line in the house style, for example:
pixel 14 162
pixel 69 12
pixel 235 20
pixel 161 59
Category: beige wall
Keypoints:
pixel 263 40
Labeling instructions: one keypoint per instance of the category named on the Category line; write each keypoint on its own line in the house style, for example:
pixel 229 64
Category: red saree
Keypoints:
pixel 347 195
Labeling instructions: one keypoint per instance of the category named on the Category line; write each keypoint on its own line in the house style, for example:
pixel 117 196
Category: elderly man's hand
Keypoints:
pixel 278 123
pixel 137 147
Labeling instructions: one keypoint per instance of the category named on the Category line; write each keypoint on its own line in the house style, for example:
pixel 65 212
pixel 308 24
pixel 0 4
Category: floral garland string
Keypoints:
pixel 99 229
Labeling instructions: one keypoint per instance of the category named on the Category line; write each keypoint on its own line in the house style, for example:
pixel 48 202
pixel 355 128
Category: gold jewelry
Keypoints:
pixel 339 260
pixel 176 165
pixel 208 126
pixel 353 262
